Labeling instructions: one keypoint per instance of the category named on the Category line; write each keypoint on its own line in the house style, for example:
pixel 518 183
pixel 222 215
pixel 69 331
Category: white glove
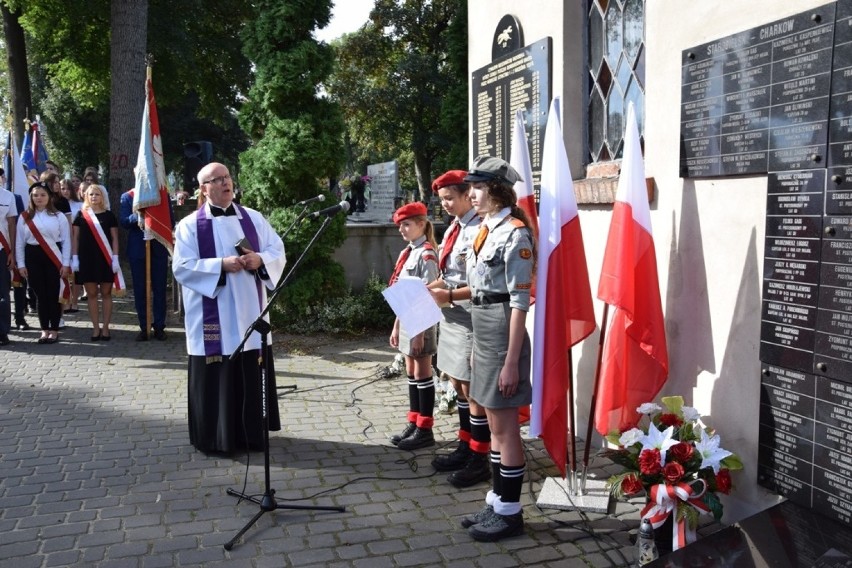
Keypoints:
pixel 115 266
pixel 75 263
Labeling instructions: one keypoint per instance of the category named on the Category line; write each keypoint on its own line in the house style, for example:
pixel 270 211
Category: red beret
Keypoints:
pixel 452 177
pixel 409 210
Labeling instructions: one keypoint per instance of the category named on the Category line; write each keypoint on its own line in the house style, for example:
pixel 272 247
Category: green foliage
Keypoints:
pixel 352 314
pixel 199 74
pixel 714 503
pixel 401 88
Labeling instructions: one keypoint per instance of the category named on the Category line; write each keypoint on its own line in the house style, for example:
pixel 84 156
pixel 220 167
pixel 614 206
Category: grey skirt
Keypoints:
pixel 455 342
pixel 490 343
pixel 430 342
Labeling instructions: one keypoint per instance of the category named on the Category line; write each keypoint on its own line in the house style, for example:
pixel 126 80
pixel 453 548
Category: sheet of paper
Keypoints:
pixel 412 303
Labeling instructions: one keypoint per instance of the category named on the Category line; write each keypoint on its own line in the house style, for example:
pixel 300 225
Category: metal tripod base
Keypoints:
pixel 268 503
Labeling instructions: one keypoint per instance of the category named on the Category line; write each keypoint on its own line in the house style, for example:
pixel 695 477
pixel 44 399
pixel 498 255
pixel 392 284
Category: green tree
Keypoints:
pixel 400 80
pixel 296 136
pixel 199 74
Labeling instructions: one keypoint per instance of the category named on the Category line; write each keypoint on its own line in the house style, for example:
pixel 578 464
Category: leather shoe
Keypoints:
pixel 141 336
pixel 160 334
pixel 453 461
pixel 4 339
pixel 23 326
pixel 422 438
pixel 408 431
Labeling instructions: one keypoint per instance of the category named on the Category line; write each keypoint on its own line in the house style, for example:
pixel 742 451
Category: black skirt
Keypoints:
pixel 225 404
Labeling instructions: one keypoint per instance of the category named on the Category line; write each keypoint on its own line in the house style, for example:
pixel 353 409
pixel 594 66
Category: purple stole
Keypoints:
pixel 210 306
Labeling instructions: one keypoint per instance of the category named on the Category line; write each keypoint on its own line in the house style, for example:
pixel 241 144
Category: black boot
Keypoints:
pixel 422 438
pixel 453 461
pixel 409 430
pixel 475 470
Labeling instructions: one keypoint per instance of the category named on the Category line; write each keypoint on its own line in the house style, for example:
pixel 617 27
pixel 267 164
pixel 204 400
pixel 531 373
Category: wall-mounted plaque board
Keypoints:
pixel 519 80
pixel 757 101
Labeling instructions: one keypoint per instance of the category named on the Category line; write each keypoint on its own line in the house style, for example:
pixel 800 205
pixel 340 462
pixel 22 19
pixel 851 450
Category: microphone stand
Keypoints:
pixel 267 502
pixel 295 222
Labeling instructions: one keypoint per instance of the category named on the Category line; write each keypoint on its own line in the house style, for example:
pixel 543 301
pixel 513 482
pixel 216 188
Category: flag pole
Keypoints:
pixel 593 404
pixel 149 315
pixel 572 431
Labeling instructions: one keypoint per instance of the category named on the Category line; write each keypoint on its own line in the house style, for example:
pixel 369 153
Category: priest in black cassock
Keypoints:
pixel 224 292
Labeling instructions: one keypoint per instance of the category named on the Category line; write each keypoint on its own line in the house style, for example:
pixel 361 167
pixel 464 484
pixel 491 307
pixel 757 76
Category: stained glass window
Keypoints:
pixel 616 66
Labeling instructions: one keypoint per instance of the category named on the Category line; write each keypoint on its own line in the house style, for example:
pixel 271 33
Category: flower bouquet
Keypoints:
pixel 678 462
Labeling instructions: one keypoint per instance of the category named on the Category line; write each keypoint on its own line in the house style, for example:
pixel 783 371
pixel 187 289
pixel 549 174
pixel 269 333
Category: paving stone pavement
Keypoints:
pixel 96 468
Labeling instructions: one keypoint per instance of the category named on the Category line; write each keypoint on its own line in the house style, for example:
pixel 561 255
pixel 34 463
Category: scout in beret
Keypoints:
pixel 417 260
pixel 500 268
pixel 469 462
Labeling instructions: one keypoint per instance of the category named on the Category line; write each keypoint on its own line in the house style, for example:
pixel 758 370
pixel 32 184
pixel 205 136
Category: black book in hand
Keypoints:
pixel 243 247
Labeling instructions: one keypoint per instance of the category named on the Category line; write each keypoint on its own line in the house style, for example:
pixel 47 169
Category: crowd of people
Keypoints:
pixel 60 247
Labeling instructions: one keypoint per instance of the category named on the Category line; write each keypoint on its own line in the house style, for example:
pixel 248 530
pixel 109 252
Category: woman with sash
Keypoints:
pixel 95 257
pixel 43 254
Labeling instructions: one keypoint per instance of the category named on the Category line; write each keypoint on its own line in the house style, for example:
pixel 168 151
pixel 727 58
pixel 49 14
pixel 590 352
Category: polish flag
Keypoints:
pixel 564 314
pixel 634 361
pixel 520 160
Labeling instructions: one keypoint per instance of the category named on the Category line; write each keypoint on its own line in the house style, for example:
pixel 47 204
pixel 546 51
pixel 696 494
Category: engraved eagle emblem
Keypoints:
pixel 505 37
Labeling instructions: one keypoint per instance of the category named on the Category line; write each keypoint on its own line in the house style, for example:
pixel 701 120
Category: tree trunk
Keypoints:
pixel 423 171
pixel 128 44
pixel 20 95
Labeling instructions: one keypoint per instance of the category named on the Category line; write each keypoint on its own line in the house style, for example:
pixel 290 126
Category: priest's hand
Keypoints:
pixel 232 264
pixel 251 261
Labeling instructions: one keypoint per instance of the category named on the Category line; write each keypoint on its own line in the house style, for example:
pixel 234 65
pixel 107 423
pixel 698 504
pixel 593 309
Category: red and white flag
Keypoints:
pixel 564 314
pixel 520 160
pixel 634 362
pixel 151 194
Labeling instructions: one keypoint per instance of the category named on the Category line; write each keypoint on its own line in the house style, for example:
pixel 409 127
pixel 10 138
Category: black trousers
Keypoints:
pixel 43 277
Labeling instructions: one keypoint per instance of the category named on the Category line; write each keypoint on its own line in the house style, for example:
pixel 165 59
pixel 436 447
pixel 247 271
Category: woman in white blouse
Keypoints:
pixel 43 253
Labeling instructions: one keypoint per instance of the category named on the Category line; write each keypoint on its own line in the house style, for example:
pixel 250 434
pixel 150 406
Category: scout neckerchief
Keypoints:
pixel 52 252
pixel 400 262
pixel 449 242
pixel 103 243
pixel 212 329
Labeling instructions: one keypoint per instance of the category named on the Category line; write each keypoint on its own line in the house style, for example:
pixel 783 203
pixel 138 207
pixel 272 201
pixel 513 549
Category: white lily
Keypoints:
pixel 655 439
pixel 711 453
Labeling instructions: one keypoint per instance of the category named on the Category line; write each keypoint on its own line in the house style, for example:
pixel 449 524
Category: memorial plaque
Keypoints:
pixel 793 489
pixel 832 507
pixel 758 100
pixel 518 80
pixel 778 460
pixel 833 356
pixel 785 422
pixel 833 437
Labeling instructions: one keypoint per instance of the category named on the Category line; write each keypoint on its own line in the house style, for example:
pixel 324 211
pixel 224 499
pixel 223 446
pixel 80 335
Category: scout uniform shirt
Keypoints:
pixel 455 272
pixel 504 265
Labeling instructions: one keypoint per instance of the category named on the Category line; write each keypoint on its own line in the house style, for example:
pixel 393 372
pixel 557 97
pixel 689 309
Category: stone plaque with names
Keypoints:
pixel 805 450
pixel 757 101
pixel 792 267
pixel 518 80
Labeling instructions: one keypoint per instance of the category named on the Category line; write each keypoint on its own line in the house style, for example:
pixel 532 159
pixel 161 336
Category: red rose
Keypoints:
pixel 723 481
pixel 673 472
pixel 631 484
pixel 681 452
pixel 670 420
pixel 649 462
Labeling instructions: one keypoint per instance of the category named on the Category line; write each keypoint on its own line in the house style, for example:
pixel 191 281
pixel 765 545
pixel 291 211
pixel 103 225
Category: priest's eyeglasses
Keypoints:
pixel 219 180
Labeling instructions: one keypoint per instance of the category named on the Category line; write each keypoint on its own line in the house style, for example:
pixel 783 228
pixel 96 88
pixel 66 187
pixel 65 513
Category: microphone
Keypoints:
pixel 320 197
pixel 330 211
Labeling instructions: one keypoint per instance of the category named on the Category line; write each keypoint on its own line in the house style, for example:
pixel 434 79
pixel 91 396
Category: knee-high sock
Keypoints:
pixel 426 393
pixel 413 400
pixel 496 480
pixel 463 407
pixel 480 434
pixel 512 481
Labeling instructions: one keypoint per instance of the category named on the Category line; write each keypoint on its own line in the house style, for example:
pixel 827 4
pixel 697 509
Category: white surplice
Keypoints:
pixel 237 299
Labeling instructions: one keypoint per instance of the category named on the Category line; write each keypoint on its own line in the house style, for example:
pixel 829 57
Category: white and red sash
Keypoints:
pixel 118 285
pixel 52 252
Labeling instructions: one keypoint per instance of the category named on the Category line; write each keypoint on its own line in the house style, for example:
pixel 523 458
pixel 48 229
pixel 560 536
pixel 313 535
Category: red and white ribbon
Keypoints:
pixel 103 244
pixel 663 502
